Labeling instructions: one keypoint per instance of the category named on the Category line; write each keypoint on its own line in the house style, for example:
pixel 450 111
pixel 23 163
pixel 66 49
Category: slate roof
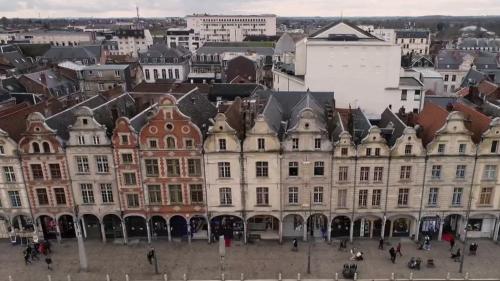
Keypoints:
pixel 479 42
pixel 392 127
pixel 107 67
pixel 454 58
pixel 169 87
pixel 12 85
pixel 54 81
pixel 138 120
pixel 236 47
pixel 227 91
pixel 16 58
pixel 412 33
pixel 473 75
pixel 161 51
pixel 353 26
pixel 409 82
pixel 197 106
pixel 73 52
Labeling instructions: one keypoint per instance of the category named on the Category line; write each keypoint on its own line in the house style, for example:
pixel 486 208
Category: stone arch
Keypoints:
pixel 158 225
pixel 228 225
pixel 265 226
pixel 198 227
pixel 293 225
pixel 91 225
pixel 317 225
pixel 66 225
pixel 112 226
pixel 135 225
pixel 341 226
pixel 178 226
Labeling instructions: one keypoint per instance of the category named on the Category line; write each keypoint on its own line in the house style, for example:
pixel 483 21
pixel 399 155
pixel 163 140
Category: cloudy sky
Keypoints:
pixel 165 8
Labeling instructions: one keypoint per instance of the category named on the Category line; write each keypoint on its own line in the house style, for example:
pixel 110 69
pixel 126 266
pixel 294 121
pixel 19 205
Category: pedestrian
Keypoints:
pixel 150 255
pixel 381 244
pixel 295 245
pixel 48 247
pixel 452 243
pixel 48 261
pixel 26 257
pixel 392 252
pixel 398 249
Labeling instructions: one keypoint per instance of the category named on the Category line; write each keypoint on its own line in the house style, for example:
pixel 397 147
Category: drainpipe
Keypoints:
pixel 243 190
pixel 280 157
pixel 351 230
pixel 384 220
pixel 422 200
pixel 207 214
pixel 329 223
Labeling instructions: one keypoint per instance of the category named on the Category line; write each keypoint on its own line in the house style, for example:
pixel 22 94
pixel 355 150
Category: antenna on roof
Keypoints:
pixel 341 15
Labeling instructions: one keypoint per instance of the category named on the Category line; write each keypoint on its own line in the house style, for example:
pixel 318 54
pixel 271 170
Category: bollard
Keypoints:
pixel 448 276
pixel 298 276
pixel 165 277
pixel 242 276
pixel 279 276
pixel 127 278
pixel 392 276
pixel 466 276
pixel 10 278
pixel 108 278
pixel 69 277
pixel 184 277
pixel 222 276
pixel 411 275
pixel 336 276
pixel 49 277
pixel 355 276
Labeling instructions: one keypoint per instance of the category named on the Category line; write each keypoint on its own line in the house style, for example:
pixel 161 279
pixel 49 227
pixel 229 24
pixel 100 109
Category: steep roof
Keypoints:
pixel 354 29
pixel 162 51
pixel 477 122
pixel 73 52
pixel 227 91
pixel 412 33
pixel 197 106
pixel 392 126
pixel 431 119
pixel 236 47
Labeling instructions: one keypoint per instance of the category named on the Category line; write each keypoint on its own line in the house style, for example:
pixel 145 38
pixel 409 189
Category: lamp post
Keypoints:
pixel 81 245
pixel 307 235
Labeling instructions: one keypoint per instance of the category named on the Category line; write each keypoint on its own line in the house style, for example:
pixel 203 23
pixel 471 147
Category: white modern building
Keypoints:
pixel 231 28
pixel 131 42
pixel 414 40
pixel 360 68
pixel 57 38
pixel 183 37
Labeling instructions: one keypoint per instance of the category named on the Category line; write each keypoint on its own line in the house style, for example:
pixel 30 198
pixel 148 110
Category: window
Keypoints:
pixel 318 195
pixel 462 148
pixel 170 142
pixel 194 167
pixel 55 171
pixel 475 224
pixel 102 163
pixel 133 200
pixel 293 195
pixel 152 169
pixel 343 173
pixel 222 144
pixel 446 77
pixel 154 194
pixel 408 149
pixel 225 196
pixel 342 198
pixel 377 174
pixel 377 151
pixel 60 195
pixel 164 74
pixel 224 169
pixel 261 169
pixel 124 139
pixel 82 164
pixel 454 78
pixel 262 196
pixel 417 95
pixel 81 140
pixel 317 143
pixel 2 150
pixel 261 143
pixel 363 198
pixel 10 176
pixel 129 178
pixel 376 195
pixel 436 172
pixel 15 199
pixel 107 193
pixel 368 151
pixel 295 143
pixel 96 139
pixel 155 73
pixel 404 95
pixel 485 196
pixel 36 171
pixel 153 144
pixel 41 194
pixel 127 158
pixel 441 148
pixel 460 173
pixel 319 168
pixel 117 73
pixel 433 196
pixel 173 168
pixel 343 151
pixel 188 144
pixel 405 173
pixel 293 169
pixel 87 193
pixel 36 147
pixel 494 146
pixel 176 72
pixel 170 76
pixel 457 196
pixel 46 147
pixel 196 193
pixel 490 172
pixel 403 196
pixel 364 174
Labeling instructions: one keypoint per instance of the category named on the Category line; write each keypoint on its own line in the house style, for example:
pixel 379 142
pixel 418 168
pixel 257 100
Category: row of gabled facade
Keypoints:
pixel 273 166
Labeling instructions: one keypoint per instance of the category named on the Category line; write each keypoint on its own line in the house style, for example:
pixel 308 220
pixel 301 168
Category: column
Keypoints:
pixel 329 230
pixel 496 229
pixel 209 231
pixel 280 231
pixel 21 228
pixel 351 231
pixel 169 231
pixel 245 231
pixel 417 233
pixel 371 228
pixel 148 230
pixel 189 231
pixel 124 229
pixel 84 228
pixel 58 232
pixel 103 233
pixel 440 235
pixel 391 229
pixel 305 231
pixel 382 231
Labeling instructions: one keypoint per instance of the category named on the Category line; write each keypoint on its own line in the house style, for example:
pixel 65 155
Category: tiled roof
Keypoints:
pixel 431 119
pixel 168 87
pixel 197 106
pixel 477 122
pixel 227 91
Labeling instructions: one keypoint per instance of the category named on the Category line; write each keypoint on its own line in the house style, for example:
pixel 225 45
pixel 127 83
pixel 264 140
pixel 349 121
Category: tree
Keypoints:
pixel 4 21
pixel 440 26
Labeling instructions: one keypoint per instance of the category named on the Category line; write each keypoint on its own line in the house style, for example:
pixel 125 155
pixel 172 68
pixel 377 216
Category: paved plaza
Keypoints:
pixel 262 259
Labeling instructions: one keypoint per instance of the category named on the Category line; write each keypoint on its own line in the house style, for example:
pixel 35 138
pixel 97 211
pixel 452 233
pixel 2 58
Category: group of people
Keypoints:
pixel 393 252
pixel 33 250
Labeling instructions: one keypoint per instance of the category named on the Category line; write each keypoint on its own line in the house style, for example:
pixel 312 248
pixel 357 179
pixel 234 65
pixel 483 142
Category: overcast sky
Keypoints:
pixel 167 8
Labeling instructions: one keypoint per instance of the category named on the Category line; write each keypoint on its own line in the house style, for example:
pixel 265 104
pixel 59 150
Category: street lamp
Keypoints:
pixel 307 234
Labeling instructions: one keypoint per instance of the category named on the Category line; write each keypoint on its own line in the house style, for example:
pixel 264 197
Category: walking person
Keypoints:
pixel 26 257
pixel 295 245
pixel 452 243
pixel 392 252
pixel 398 249
pixel 48 261
pixel 381 244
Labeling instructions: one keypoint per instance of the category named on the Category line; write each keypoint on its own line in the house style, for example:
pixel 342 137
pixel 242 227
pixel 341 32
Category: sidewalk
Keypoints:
pixel 263 259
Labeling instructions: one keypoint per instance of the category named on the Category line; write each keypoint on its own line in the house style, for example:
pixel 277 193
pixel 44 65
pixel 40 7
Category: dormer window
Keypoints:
pixel 408 149
pixel 36 147
pixel 46 147
pixel 153 144
pixel 462 148
pixel 368 151
pixel 441 148
pixel 97 140
pixel 261 143
pixel 344 151
pixel 222 144
pixel 189 144
pixel 295 143
pixel 494 146
pixel 124 139
pixel 81 140
pixel 2 151
pixel 85 121
pixel 170 143
pixel 377 151
pixel 317 143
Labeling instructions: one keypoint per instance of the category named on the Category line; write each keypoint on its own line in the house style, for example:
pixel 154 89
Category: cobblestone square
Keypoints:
pixel 260 260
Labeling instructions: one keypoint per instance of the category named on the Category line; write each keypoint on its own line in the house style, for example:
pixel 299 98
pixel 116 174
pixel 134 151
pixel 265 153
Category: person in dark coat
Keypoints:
pixel 392 252
pixel 48 261
pixel 381 244
pixel 452 243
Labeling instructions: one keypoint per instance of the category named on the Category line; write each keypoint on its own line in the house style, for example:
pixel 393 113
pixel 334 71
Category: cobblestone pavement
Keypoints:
pixel 262 259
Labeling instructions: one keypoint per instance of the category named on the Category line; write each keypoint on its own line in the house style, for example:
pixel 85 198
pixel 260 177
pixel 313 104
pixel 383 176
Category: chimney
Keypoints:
pixel 449 107
pixel 43 78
